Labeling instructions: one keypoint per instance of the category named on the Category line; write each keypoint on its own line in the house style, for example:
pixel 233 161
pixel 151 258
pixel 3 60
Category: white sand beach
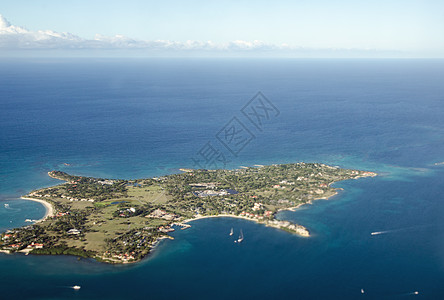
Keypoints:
pixel 47 205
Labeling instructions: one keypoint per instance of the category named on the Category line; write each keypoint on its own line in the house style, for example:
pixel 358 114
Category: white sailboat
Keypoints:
pixel 231 232
pixel 241 237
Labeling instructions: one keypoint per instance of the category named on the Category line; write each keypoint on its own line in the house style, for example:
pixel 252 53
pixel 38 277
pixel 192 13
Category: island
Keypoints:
pixel 121 221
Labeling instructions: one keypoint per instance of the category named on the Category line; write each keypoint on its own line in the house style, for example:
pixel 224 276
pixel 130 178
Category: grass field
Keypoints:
pixel 148 194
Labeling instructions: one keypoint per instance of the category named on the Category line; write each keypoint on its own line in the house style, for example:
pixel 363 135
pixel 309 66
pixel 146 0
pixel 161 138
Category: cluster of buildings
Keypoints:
pixel 161 214
pixel 125 257
pixel 209 185
pixel 278 186
pixel 15 246
pixel 267 214
pixel 250 215
pixel 106 182
pixel 127 212
pixel 76 199
pixel 35 194
pixel 258 206
pixel 34 245
pixel 7 236
pixel 208 193
pixel 318 191
pixel 287 182
pixel 73 231
pixel 165 229
pixel 210 190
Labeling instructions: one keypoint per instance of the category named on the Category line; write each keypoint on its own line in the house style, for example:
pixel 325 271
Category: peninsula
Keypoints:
pixel 121 221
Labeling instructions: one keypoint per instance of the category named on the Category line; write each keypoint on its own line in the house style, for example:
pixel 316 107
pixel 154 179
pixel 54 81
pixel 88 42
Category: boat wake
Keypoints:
pixel 241 237
pixel 409 294
pixel 380 232
pixel 73 287
pixel 398 230
pixel 8 207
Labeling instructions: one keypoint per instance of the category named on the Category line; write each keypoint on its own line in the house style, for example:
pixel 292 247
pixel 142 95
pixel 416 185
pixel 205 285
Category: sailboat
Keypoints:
pixel 241 237
pixel 231 232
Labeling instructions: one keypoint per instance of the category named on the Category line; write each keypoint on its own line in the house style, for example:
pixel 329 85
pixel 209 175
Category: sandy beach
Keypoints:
pixel 217 216
pixel 301 230
pixel 254 219
pixel 47 205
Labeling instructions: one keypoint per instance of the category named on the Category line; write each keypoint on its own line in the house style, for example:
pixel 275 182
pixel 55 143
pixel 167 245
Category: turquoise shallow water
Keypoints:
pixel 141 118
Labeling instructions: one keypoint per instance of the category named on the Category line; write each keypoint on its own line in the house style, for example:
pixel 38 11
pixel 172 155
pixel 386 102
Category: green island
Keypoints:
pixel 121 221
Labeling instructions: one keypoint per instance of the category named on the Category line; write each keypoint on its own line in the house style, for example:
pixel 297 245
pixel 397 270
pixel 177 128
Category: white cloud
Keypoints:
pixel 4 23
pixel 18 37
pixel 15 38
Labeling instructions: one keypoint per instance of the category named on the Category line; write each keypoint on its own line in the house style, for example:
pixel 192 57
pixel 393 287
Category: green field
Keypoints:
pixel 154 194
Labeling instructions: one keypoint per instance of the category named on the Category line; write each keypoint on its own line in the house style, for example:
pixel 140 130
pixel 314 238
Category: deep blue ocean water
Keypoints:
pixel 136 118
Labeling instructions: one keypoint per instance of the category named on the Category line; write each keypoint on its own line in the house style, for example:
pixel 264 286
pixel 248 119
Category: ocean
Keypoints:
pixel 135 118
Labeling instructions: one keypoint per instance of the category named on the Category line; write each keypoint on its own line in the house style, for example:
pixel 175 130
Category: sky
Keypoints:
pixel 407 28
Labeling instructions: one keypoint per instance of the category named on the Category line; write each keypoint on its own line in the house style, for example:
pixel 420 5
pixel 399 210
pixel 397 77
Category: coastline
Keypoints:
pixel 281 225
pixel 304 232
pixel 267 218
pixel 49 209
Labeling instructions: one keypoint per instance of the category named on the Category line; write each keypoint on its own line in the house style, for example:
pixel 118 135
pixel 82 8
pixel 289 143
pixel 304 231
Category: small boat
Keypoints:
pixel 241 237
pixel 362 291
pixel 6 205
pixel 231 232
pixel 76 287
